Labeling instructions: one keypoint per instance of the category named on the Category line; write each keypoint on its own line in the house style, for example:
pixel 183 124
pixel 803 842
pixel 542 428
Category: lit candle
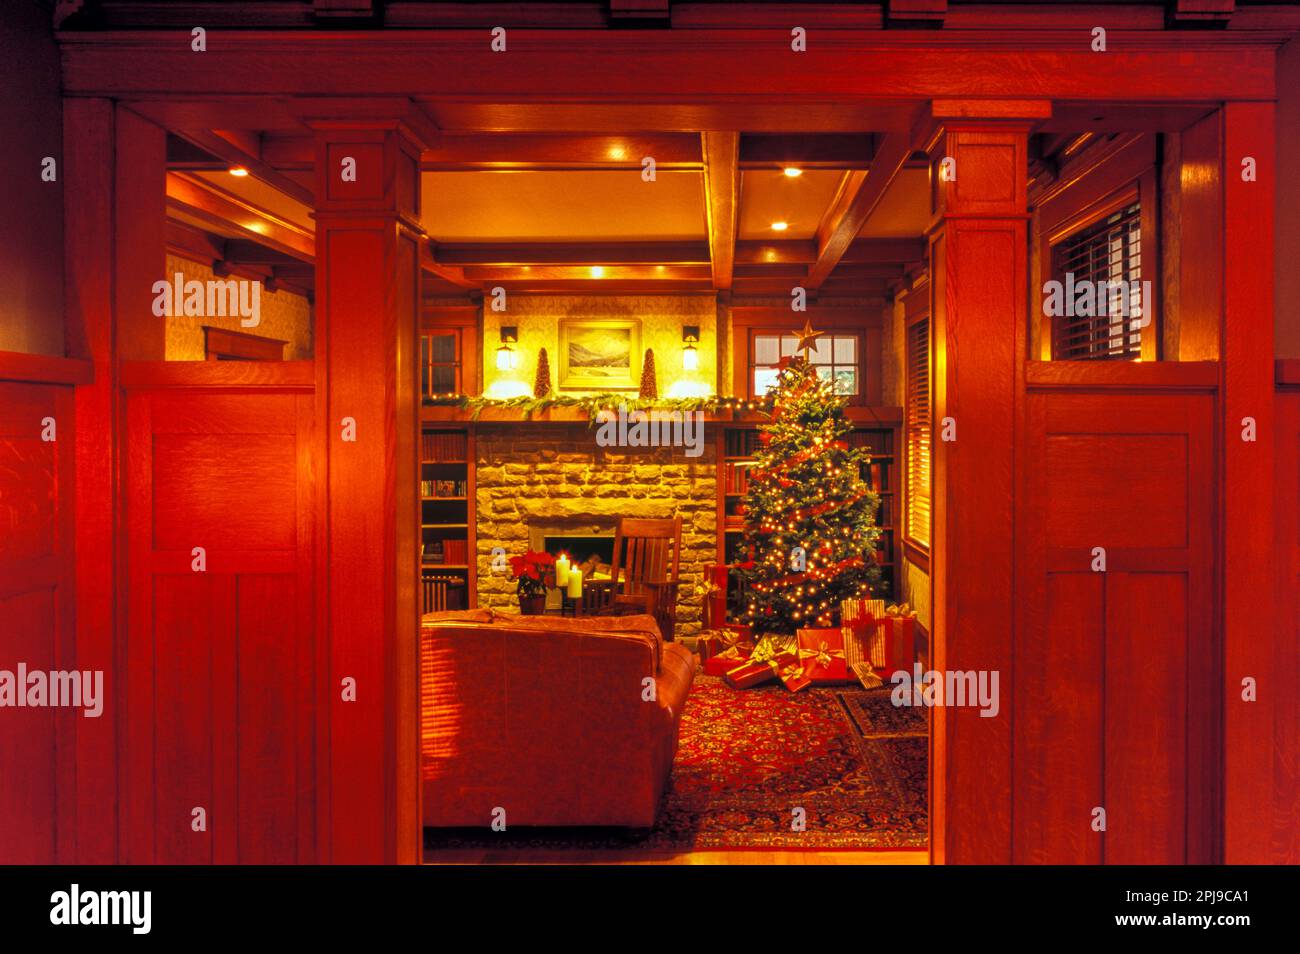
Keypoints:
pixel 562 571
pixel 575 583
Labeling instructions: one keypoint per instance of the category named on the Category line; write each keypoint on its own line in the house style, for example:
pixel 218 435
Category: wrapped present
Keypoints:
pixel 709 643
pixel 750 674
pixel 715 595
pixel 859 624
pixel 867 676
pixel 790 669
pixel 896 647
pixel 822 652
pixel 728 658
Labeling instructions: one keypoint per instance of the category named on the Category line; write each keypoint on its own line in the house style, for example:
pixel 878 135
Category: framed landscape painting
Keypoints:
pixel 600 354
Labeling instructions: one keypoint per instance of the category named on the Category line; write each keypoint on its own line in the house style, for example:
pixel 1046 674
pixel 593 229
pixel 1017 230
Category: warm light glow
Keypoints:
pixel 507 358
pixel 688 389
pixel 792 172
pixel 239 171
pixel 597 271
pixel 507 388
pixel 780 226
pixel 690 358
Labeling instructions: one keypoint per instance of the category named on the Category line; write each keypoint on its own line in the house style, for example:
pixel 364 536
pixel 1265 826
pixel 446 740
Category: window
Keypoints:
pixel 439 363
pixel 1102 305
pixel 836 357
pixel 917 432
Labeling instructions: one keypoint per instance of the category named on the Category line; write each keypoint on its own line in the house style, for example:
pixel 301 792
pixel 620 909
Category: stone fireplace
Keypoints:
pixel 539 481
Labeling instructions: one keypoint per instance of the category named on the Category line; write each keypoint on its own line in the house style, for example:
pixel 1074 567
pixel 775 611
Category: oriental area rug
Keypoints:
pixel 746 759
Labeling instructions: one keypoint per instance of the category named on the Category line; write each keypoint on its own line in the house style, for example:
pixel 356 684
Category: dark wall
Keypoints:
pixel 31 214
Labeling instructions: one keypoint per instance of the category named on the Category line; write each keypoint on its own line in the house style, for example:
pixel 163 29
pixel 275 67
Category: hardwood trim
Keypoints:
pixel 219 343
pixel 262 375
pixel 701 65
pixel 1146 375
pixel 44 369
pixel 916 555
pixel 1248 518
pixel 866 323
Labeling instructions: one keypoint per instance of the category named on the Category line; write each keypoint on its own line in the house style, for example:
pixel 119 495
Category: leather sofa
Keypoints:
pixel 546 718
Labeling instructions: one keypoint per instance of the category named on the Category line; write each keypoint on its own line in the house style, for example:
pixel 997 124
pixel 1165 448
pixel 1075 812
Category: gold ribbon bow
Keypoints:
pixel 823 654
pixel 792 671
pixel 900 611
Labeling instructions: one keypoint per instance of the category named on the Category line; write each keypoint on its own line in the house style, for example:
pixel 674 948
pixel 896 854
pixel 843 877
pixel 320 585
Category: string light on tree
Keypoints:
pixel 806 485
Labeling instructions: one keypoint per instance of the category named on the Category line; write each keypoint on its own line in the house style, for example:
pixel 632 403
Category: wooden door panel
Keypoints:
pixel 222 664
pixel 1146 719
pixel 1116 671
pixel 1059 697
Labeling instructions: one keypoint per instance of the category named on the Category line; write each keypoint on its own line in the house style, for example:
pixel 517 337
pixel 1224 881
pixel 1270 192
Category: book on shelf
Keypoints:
pixel 736 478
pixel 439 446
pixel 443 488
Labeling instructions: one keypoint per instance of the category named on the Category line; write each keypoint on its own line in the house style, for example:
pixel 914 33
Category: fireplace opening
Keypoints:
pixel 582 549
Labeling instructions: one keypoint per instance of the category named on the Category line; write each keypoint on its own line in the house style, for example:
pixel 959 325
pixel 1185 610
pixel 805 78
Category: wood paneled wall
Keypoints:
pixel 36 546
pixel 1117 671
pixel 221 657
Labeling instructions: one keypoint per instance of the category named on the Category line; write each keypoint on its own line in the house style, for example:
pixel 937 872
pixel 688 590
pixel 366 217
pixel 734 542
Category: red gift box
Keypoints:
pixel 728 658
pixel 822 652
pixel 791 670
pixel 898 631
pixel 750 674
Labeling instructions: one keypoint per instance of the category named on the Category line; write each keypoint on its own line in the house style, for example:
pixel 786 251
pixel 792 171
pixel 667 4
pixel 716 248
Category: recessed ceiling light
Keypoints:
pixel 597 271
pixel 238 171
pixel 780 226
pixel 792 172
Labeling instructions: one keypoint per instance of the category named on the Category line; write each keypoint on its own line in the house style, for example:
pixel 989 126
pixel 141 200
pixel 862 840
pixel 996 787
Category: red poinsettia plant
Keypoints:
pixel 534 571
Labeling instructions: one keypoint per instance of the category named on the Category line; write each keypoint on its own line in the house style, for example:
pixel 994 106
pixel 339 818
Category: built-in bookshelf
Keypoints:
pixel 446 518
pixel 739 446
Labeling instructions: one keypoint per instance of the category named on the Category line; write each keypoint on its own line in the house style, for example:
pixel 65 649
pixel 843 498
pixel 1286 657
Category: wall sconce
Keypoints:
pixel 690 355
pixel 508 357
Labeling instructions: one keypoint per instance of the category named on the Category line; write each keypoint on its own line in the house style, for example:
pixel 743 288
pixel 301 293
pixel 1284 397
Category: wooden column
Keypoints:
pixel 979 263
pixel 367 347
pixel 1246 367
pixel 113 171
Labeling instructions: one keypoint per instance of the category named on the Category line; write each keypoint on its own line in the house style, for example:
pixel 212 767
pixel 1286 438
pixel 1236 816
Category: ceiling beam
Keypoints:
pixel 859 194
pixel 831 151
pixel 240 149
pixel 721 201
pixel 448 273
pixel 576 253
pixel 227 213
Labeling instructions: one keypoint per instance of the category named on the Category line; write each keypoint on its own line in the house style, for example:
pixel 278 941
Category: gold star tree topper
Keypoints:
pixel 806 337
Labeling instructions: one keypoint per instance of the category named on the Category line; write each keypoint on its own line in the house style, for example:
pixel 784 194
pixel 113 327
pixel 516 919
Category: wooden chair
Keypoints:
pixel 646 557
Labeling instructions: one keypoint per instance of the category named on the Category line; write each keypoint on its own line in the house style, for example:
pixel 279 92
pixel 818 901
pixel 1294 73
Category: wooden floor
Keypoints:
pixel 750 857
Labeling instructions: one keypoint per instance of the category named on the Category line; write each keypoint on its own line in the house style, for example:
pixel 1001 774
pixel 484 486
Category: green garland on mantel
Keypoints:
pixel 593 404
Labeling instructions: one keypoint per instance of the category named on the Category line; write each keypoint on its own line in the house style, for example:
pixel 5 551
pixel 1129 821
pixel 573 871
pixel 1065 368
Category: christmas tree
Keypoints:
pixel 542 381
pixel 649 386
pixel 810 529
